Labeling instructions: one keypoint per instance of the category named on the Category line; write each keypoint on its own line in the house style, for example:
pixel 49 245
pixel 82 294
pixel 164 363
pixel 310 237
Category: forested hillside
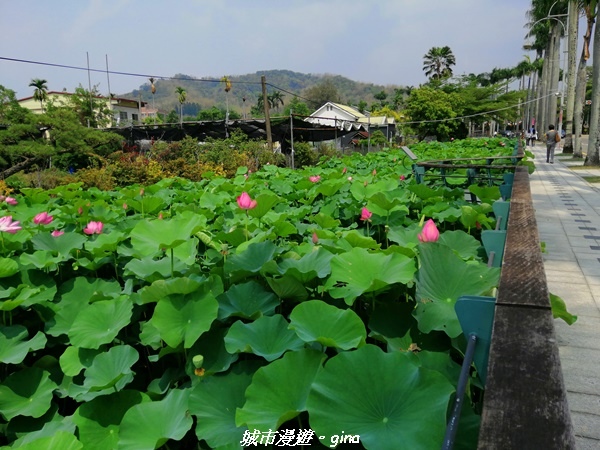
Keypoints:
pixel 203 93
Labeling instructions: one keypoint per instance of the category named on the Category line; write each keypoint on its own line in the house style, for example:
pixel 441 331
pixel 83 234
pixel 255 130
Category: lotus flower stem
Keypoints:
pixel 172 264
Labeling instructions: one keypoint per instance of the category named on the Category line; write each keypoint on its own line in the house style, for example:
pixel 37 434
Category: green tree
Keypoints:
pixel 438 62
pixel 431 112
pixel 10 110
pixel 181 96
pixel 89 106
pixel 322 93
pixel 40 93
pixel 297 107
pixel 381 96
pixel 275 99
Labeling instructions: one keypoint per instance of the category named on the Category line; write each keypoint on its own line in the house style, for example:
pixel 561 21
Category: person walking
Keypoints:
pixel 552 138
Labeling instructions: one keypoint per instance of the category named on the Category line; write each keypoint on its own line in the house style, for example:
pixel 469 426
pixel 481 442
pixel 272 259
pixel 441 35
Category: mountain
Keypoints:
pixel 204 93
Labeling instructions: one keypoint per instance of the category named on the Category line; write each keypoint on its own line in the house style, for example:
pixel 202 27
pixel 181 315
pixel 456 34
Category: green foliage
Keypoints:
pixel 296 313
pixel 431 111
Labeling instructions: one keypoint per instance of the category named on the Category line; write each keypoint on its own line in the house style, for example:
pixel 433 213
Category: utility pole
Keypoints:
pixel 263 82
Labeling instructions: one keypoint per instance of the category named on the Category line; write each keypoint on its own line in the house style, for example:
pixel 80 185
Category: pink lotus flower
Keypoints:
pixel 43 218
pixel 245 202
pixel 93 228
pixel 160 216
pixel 80 210
pixel 365 214
pixel 374 172
pixel 8 225
pixel 11 201
pixel 315 238
pixel 124 205
pixel 344 171
pixel 402 178
pixel 429 233
pixel 315 178
pixel 57 233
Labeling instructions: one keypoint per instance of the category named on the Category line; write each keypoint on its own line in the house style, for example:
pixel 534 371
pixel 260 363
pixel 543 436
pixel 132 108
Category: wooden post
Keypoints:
pixel 263 82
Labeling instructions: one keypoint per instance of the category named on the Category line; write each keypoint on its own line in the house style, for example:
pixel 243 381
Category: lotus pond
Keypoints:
pixel 189 315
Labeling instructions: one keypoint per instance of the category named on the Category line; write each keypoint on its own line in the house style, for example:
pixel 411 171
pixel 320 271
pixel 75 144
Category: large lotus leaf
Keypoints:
pixel 264 203
pixel 392 320
pixel 40 259
pixel 148 204
pixel 486 194
pixel 61 245
pixel 423 192
pixel 187 251
pixel 252 259
pixel 214 403
pixel 26 393
pixel 267 336
pixel 462 243
pixel 385 398
pixel 179 285
pixel 313 264
pixel 316 321
pixel 211 346
pixel 111 369
pixel 357 239
pixel 288 287
pixel 74 360
pixel 325 221
pixel 104 243
pixel 34 437
pixel 330 187
pixel 98 420
pixel 278 392
pixel 358 271
pixel 75 295
pixel 62 440
pixel 247 300
pixel 150 270
pixel 444 277
pixel 405 236
pixel 150 236
pixel 14 346
pixel 182 318
pixel 100 322
pixel 8 267
pixel 149 425
pixel 360 191
pixel 469 216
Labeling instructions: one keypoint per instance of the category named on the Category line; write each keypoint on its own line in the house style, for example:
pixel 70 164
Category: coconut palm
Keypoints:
pixel 181 96
pixel 275 99
pixel 438 62
pixel 40 93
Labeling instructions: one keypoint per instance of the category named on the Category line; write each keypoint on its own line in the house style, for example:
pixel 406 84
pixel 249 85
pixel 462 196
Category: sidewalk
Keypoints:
pixel 568 218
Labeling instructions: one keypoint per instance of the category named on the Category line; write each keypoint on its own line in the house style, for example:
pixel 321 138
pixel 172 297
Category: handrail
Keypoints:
pixel 525 402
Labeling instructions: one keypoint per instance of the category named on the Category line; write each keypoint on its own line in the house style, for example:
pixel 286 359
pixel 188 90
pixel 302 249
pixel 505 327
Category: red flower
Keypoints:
pixel 43 219
pixel 315 178
pixel 8 225
pixel 57 233
pixel 429 233
pixel 365 214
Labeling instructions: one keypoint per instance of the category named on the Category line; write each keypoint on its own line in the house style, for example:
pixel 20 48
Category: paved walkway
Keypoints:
pixel 568 218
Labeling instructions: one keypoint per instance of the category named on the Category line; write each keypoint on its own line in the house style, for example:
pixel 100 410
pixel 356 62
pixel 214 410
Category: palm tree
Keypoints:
pixel 227 88
pixel 40 93
pixel 153 90
pixel 275 99
pixel 438 62
pixel 181 96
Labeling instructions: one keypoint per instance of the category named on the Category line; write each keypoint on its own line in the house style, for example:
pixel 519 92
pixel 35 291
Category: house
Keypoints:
pixel 353 124
pixel 125 111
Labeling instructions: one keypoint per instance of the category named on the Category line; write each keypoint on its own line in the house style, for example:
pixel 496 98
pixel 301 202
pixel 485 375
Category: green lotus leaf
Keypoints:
pixel 98 420
pixel 358 271
pixel 447 214
pixel 214 403
pixel 100 322
pixel 267 336
pixel 180 285
pixel 469 216
pixel 111 369
pixel 14 346
pixel 31 431
pixel 211 346
pixel 264 203
pixel 357 239
pixel 325 221
pixel 104 243
pixel 148 204
pixel 385 398
pixel 271 402
pixel 40 259
pixel 150 236
pixel 148 425
pixel 462 243
pixel 312 265
pixel 405 236
pixel 247 300
pixel 559 310
pixel 182 318
pixel 486 194
pixel 252 259
pixel 330 187
pixel 74 360
pixel 8 267
pixel 62 440
pixel 316 321
pixel 423 192
pixel 392 320
pixel 444 277
pixel 75 295
pixel 288 287
pixel 26 393
pixel 60 245
pixel 151 270
pixel 386 200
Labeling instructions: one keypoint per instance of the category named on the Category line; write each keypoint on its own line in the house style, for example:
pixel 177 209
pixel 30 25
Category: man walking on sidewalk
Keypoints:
pixel 552 138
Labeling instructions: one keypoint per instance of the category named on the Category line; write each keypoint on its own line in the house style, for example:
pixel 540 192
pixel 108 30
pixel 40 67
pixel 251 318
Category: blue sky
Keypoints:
pixel 380 42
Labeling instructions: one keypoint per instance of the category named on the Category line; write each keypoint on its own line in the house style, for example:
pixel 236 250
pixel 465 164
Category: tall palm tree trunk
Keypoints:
pixel 554 75
pixel 592 158
pixel 573 29
pixel 542 106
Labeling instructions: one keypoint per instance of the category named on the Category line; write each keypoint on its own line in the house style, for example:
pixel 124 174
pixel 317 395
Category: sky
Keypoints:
pixel 380 42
